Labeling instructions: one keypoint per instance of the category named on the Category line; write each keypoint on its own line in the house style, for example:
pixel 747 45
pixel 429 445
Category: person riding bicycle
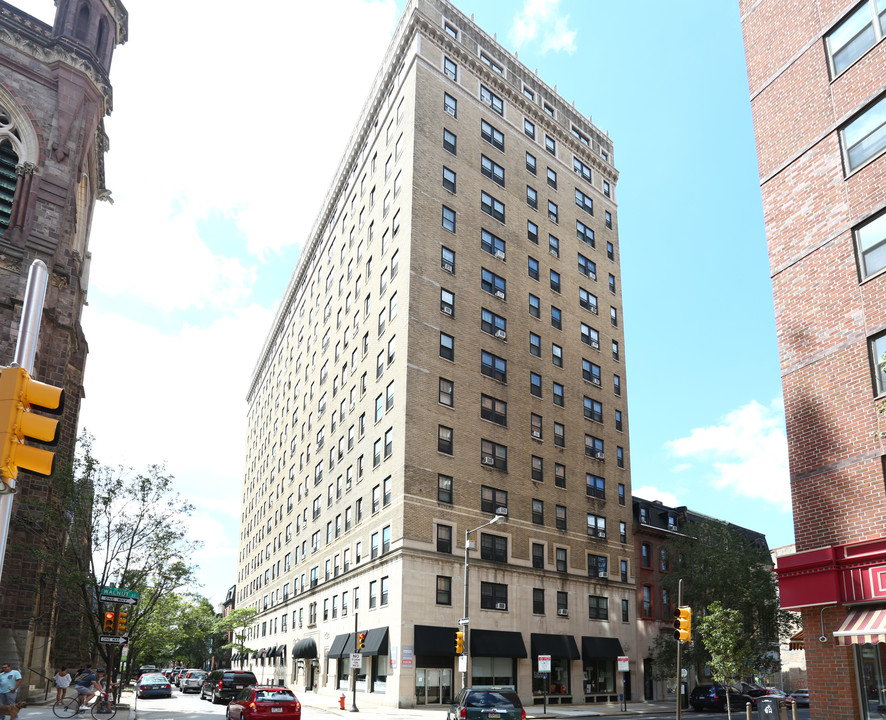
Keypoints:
pixel 88 684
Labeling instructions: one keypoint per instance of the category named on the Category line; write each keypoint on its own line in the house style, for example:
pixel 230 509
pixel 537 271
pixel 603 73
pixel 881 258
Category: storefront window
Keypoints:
pixel 344 678
pixel 599 677
pixel 493 671
pixel 381 674
pixel 870 668
pixel 558 678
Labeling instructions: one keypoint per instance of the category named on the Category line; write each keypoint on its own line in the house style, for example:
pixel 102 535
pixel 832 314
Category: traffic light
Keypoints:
pixel 108 627
pixel 361 640
pixel 459 642
pixel 683 623
pixel 18 394
pixel 122 617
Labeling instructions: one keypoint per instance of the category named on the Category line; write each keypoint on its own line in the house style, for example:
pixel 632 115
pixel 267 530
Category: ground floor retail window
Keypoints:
pixel 599 677
pixel 869 661
pixel 380 673
pixel 493 671
pixel 555 682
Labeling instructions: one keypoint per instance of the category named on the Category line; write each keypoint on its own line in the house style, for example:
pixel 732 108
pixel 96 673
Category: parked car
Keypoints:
pixel 192 680
pixel 801 697
pixel 221 685
pixel 487 702
pixel 713 696
pixel 165 672
pixel 780 694
pixel 264 701
pixel 153 685
pixel 147 669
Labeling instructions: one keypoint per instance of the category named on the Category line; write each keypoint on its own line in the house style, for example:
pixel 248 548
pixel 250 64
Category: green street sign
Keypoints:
pixel 118 595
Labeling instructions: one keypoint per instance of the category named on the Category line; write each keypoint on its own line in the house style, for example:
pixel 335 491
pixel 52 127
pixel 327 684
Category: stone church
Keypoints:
pixel 54 94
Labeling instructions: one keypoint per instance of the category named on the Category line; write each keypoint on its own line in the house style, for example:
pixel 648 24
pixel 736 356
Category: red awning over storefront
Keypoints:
pixel 862 626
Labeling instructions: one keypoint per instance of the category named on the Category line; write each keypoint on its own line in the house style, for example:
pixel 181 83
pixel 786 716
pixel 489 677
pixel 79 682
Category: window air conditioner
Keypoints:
pixel 599 455
pixel 536 433
pixel 596 381
pixel 499 294
pixel 501 606
pixel 501 511
pixel 488 460
pixel 603 574
pixel 595 344
pixel 500 254
pixel 563 612
pixel 500 334
pixel 447 309
pixel 601 534
pixel 447 266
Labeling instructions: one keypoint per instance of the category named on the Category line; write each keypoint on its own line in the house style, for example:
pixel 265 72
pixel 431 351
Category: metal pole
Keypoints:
pixel 25 351
pixel 464 650
pixel 679 657
pixel 354 671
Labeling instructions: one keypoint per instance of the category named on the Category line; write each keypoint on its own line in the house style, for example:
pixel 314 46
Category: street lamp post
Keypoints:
pixel 465 653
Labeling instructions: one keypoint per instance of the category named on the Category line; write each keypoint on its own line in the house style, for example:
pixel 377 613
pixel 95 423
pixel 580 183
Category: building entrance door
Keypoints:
pixel 433 686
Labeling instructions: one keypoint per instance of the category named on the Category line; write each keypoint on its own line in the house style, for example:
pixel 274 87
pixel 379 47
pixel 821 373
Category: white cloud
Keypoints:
pixel 746 453
pixel 541 20
pixel 652 493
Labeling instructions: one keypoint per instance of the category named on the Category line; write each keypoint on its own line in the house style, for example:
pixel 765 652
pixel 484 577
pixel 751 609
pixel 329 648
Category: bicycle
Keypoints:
pixel 102 708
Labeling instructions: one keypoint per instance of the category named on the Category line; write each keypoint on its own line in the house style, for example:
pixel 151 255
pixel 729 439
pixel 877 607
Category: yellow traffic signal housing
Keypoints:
pixel 683 623
pixel 122 617
pixel 108 626
pixel 18 394
pixel 459 642
pixel 361 640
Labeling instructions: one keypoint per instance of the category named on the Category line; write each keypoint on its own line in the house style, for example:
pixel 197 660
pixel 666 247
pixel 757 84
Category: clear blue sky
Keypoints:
pixel 215 192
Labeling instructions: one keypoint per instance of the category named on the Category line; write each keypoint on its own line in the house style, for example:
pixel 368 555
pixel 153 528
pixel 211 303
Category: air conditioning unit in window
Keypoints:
pixel 536 433
pixel 672 527
pixel 501 606
pixel 500 294
pixel 501 511
pixel 563 612
pixel 555 253
pixel 595 344
pixel 448 267
pixel 488 460
pixel 599 455
pixel 447 309
pixel 603 574
pixel 596 381
pixel 500 254
pixel 601 534
pixel 500 334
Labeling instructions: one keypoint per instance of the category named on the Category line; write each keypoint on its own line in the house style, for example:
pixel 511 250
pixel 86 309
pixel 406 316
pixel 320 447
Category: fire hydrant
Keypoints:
pixel 341 702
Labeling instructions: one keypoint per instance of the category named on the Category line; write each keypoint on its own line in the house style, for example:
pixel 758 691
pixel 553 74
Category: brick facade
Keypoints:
pixel 54 86
pixel 813 205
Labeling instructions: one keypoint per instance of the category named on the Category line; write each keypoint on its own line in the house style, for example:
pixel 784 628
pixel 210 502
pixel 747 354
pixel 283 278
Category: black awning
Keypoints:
pixel 281 651
pixel 342 646
pixel 497 643
pixel 376 642
pixel 434 641
pixel 263 653
pixel 559 647
pixel 272 652
pixel 235 657
pixel 304 648
pixel 600 648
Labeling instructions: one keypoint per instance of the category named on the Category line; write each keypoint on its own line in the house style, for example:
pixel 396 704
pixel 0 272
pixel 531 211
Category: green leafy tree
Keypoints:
pixel 719 562
pixel 722 631
pixel 181 629
pixel 113 527
pixel 234 627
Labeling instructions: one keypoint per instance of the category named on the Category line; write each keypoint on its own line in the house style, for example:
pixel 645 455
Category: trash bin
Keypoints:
pixel 770 708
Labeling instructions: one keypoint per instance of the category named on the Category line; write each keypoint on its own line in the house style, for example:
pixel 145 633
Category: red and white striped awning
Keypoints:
pixel 862 626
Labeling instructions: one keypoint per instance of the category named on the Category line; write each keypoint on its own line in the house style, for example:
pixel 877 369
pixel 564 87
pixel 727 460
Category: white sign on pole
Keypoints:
pixel 544 663
pixel 623 664
pixel 356 660
pixel 462 663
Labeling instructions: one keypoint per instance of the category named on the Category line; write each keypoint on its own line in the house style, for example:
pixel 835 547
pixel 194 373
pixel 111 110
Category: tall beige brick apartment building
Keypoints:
pixel 816 71
pixel 450 349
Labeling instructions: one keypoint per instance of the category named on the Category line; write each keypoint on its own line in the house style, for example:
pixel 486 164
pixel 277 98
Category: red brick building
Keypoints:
pixel 817 77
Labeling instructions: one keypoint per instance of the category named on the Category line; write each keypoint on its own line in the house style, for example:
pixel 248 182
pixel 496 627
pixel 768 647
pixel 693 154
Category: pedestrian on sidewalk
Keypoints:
pixel 62 683
pixel 9 682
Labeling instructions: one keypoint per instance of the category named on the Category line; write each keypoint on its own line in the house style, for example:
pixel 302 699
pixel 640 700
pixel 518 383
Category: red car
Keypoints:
pixel 264 702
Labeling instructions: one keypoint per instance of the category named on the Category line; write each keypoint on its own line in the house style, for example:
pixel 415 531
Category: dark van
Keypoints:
pixel 222 685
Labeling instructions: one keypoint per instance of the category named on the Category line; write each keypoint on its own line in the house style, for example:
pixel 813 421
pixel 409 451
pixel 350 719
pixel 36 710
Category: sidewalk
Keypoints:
pixel 39 710
pixel 326 704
